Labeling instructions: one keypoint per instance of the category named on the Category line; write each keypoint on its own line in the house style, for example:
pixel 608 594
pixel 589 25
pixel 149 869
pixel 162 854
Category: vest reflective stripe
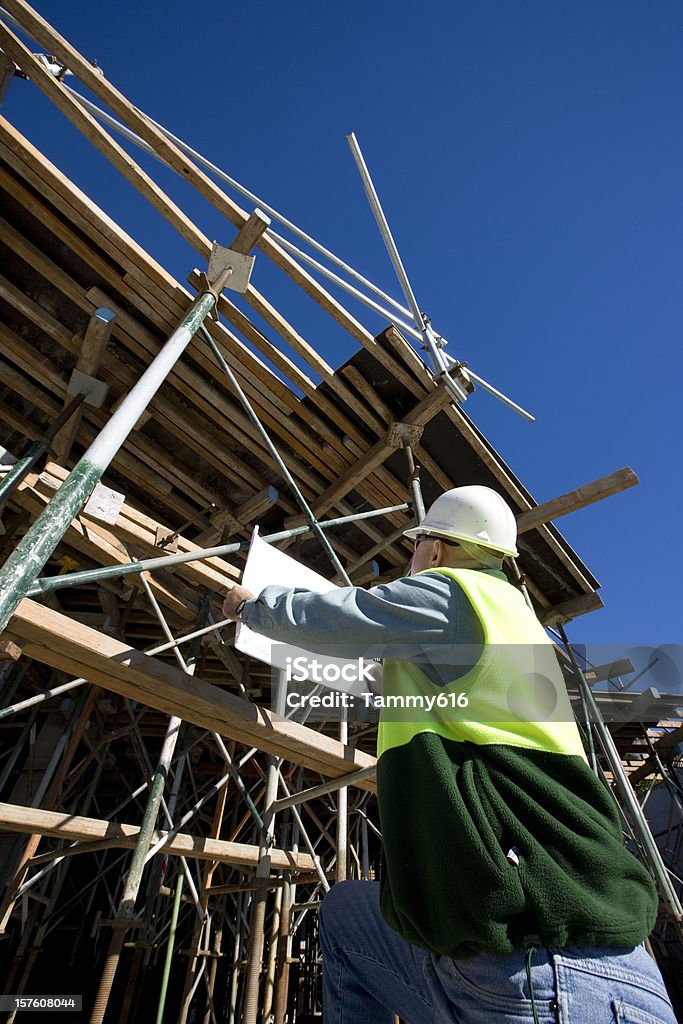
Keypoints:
pixel 516 691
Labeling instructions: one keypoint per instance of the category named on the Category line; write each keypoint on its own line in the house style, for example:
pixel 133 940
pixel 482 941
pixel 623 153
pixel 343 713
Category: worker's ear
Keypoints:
pixel 437 553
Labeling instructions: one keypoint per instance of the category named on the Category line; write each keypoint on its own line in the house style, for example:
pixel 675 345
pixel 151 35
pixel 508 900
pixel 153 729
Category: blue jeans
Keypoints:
pixel 370 973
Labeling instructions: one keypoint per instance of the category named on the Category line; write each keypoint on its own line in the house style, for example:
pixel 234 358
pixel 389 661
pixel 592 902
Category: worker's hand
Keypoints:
pixel 233 598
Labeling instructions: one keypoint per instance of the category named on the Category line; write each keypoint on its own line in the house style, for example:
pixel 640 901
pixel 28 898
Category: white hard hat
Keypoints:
pixel 474 513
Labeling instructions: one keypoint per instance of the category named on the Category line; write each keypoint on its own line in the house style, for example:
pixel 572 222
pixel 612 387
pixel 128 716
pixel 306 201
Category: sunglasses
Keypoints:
pixel 427 536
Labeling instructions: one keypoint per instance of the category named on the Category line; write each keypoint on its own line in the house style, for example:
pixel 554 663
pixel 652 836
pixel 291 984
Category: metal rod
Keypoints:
pixel 357 294
pixel 262 875
pixel 307 842
pixel 243 790
pixel 428 338
pixel 586 716
pixel 197 806
pixel 31 554
pixel 521 582
pixel 40 697
pixel 169 948
pixel 275 455
pixel 415 488
pixel 126 906
pixel 11 480
pixel 636 816
pixel 489 387
pixel 341 871
pixel 327 787
pixel 285 937
pixel 51 583
pixel 207 877
pixel 159 649
pixel 53 779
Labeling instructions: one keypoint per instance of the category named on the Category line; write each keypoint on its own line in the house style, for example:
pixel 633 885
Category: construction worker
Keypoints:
pixel 506 892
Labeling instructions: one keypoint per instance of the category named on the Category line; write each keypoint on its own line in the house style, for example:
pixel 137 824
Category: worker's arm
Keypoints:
pixel 392 620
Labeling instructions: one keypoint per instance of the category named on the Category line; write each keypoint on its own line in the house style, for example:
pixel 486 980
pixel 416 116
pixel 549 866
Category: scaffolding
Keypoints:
pixel 166 832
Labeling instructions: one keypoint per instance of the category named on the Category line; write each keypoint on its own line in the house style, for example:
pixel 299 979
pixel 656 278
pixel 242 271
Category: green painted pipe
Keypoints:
pixel 22 466
pixel 72 579
pixel 169 948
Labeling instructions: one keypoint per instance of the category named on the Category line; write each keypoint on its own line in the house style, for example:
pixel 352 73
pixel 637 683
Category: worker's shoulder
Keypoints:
pixel 422 587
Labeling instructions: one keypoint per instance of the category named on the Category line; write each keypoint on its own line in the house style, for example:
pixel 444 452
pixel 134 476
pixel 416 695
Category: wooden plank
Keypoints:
pixel 133 527
pixel 368 555
pixel 239 320
pixel 143 471
pixel 102 547
pixel 56 640
pixel 424 459
pixel 101 87
pixel 140 459
pixel 414 375
pixel 194 388
pixel 85 216
pixel 20 423
pixel 368 462
pixel 94 343
pixel 579 498
pixel 93 131
pixel 479 444
pixel 621 667
pixel 140 282
pixel 571 609
pixel 510 487
pixel 118 373
pixel 663 744
pixel 86 213
pixel 34 312
pixel 72 827
pixel 34 256
pixel 237 518
pixel 368 393
pixel 210 401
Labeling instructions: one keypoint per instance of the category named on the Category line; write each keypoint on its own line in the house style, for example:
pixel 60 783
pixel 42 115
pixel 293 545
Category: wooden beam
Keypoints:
pixel 151 284
pixel 131 170
pixel 622 667
pixel 249 511
pixel 664 743
pixel 94 343
pixel 424 411
pixel 571 609
pixel 137 528
pixel 250 233
pixel 43 32
pixel 93 131
pixel 60 825
pixel 572 501
pixel 56 640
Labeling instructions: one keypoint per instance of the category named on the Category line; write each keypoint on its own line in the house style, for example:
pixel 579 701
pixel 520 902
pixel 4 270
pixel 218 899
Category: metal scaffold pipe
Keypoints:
pixel 126 907
pixel 72 579
pixel 169 948
pixel 632 808
pixel 257 932
pixel 275 455
pixel 31 554
pixel 428 337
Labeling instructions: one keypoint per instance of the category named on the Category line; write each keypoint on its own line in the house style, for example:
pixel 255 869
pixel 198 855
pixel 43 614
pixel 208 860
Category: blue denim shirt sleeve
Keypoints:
pixel 404 619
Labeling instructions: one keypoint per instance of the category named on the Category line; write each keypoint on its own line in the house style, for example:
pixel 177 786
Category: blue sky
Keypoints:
pixel 528 155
